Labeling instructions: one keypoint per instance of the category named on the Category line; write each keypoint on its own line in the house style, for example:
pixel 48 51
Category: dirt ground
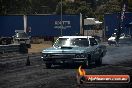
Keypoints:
pixel 15 73
pixel 36 48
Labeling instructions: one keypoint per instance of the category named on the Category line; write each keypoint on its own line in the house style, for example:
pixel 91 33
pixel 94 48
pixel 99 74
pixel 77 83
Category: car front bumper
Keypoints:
pixel 111 42
pixel 64 60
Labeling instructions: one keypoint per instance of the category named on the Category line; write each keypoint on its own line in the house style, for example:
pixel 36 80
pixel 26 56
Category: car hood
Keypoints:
pixel 67 50
pixel 111 39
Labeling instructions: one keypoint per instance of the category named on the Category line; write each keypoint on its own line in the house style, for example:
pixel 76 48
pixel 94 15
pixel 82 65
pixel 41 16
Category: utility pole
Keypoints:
pixel 122 15
pixel 25 23
pixel 61 20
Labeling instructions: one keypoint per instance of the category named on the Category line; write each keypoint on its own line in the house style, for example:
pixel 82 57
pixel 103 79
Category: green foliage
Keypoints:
pixel 75 8
pixel 89 8
pixel 130 5
pixel 27 6
pixel 111 7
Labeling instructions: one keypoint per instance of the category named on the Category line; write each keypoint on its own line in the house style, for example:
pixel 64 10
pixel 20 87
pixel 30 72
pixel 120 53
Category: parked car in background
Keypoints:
pixel 21 37
pixel 112 39
pixel 5 40
pixel 74 49
pixel 97 38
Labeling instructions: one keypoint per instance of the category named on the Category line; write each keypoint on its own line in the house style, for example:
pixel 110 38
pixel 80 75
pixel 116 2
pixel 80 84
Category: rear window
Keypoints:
pixel 93 41
pixel 21 35
pixel 80 42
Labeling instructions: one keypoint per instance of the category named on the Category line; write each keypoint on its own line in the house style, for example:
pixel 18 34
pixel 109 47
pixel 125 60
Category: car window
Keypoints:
pixel 80 42
pixel 21 35
pixel 93 41
pixel 113 35
pixel 61 42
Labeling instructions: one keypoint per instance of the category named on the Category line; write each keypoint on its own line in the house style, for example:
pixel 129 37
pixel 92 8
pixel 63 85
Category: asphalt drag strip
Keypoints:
pixel 118 61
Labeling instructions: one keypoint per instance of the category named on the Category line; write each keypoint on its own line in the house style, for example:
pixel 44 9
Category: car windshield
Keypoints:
pixel 114 35
pixel 21 35
pixel 81 42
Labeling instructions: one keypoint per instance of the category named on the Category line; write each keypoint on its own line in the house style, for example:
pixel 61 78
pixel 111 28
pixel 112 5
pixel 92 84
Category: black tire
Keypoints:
pixel 28 45
pixel 23 48
pixel 48 65
pixel 86 63
pixel 109 43
pixel 98 61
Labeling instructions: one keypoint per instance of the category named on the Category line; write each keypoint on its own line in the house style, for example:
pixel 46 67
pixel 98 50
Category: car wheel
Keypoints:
pixel 48 65
pixel 109 43
pixel 28 45
pixel 98 61
pixel 87 63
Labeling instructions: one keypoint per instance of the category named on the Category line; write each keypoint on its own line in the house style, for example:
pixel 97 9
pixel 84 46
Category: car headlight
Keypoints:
pixel 80 56
pixel 46 55
pixel 77 56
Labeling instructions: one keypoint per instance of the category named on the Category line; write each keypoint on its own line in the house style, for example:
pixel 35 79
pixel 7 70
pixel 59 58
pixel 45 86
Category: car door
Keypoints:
pixel 95 48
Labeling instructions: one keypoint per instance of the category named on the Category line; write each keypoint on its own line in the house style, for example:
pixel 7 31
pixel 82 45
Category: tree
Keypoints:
pixel 90 8
pixel 75 8
pixel 130 5
pixel 112 6
pixel 27 6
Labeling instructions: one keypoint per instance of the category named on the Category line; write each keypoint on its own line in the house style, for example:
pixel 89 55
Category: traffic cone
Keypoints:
pixel 28 61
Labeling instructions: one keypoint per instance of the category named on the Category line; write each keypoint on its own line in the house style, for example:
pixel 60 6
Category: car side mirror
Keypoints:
pixel 92 44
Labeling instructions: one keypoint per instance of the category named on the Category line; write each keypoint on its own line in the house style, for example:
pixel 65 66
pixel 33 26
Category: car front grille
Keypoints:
pixel 60 55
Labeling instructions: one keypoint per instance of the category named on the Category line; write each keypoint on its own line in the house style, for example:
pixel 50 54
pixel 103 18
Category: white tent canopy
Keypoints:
pixel 91 21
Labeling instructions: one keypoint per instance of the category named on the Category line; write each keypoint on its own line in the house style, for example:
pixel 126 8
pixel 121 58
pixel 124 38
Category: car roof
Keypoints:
pixel 76 37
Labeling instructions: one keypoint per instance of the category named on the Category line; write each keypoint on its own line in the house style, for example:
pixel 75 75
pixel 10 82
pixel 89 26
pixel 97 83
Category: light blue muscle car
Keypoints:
pixel 74 49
